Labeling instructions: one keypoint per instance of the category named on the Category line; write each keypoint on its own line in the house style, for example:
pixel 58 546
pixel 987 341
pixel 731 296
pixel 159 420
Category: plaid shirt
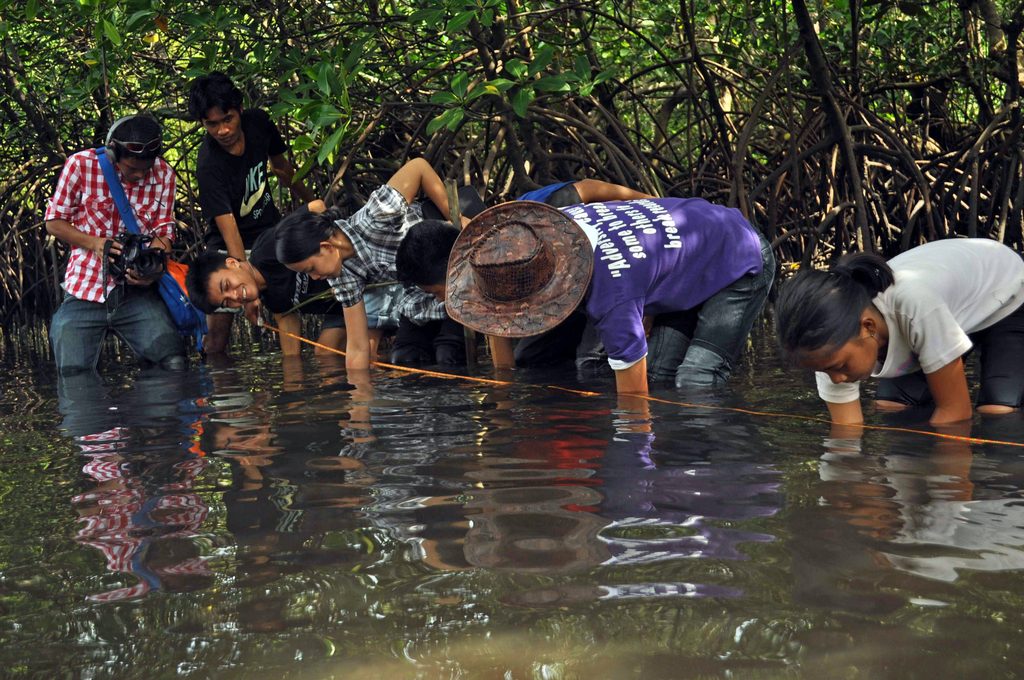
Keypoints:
pixel 83 199
pixel 375 231
pixel 420 307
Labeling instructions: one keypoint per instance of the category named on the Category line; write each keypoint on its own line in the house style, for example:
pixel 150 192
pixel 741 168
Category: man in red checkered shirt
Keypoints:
pixel 82 214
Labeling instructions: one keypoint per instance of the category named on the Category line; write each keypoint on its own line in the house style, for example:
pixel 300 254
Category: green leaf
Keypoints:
pixel 521 101
pixel 323 79
pixel 279 109
pixel 331 144
pixel 459 84
pixel 435 124
pixel 499 84
pixel 516 68
pixel 302 143
pixel 552 84
pixel 139 17
pixel 541 59
pixel 31 10
pixel 431 17
pixel 443 98
pixel 326 115
pixel 455 118
pixel 306 167
pixel 450 119
pixel 193 20
pixel 582 67
pixel 355 55
pixel 110 31
pixel 459 22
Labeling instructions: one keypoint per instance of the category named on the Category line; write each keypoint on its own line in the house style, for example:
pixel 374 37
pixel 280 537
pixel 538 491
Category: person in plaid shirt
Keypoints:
pixel 360 250
pixel 82 214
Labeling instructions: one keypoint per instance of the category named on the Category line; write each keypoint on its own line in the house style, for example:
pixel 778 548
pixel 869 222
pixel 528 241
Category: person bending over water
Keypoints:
pixel 354 252
pixel 910 322
pixel 217 280
pixel 700 271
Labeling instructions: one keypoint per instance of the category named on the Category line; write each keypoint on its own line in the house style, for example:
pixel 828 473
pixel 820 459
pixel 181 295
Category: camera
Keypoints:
pixel 137 256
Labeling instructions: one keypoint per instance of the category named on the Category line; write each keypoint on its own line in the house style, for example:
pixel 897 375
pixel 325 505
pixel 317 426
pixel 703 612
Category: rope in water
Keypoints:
pixel 659 400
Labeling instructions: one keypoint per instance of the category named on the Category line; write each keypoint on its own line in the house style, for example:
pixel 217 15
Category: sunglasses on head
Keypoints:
pixel 140 147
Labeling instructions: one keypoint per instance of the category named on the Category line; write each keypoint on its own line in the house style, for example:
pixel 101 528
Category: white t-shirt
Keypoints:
pixel 943 291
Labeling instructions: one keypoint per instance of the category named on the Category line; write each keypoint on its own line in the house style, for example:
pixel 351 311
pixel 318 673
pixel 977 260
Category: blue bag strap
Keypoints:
pixel 117 191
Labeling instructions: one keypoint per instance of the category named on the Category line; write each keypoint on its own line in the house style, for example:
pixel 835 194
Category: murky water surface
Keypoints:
pixel 266 520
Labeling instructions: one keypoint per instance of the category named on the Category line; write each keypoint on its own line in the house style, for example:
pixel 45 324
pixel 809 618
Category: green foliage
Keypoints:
pixel 637 93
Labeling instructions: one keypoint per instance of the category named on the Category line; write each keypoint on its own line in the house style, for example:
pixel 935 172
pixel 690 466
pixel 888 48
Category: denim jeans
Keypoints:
pixel 698 347
pixel 137 315
pixel 381 303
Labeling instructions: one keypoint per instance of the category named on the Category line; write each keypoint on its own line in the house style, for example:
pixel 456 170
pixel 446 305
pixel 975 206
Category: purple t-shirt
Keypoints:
pixel 653 256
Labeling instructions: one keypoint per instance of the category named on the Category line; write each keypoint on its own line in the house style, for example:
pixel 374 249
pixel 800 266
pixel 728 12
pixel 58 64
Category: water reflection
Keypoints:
pixel 290 498
pixel 303 516
pixel 140 509
pixel 509 484
pixel 911 511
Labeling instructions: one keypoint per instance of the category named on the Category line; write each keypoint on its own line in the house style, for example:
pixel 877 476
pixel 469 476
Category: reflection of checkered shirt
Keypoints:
pixel 375 231
pixel 83 199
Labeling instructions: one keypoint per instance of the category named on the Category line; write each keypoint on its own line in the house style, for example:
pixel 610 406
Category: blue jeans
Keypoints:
pixel 699 347
pixel 381 306
pixel 137 315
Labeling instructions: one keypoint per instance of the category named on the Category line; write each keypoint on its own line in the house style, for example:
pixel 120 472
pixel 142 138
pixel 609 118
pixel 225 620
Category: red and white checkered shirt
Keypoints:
pixel 83 199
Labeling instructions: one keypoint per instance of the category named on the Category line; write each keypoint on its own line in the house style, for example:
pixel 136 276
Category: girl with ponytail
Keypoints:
pixel 910 321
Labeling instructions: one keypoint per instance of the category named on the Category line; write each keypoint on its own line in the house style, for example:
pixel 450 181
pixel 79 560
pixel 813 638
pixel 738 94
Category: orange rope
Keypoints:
pixel 683 404
pixel 420 371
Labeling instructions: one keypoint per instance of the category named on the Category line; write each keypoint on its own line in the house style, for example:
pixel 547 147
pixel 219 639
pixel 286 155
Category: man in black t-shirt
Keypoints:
pixel 232 174
pixel 217 280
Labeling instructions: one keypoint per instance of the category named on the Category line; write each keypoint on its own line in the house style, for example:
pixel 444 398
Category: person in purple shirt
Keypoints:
pixel 700 272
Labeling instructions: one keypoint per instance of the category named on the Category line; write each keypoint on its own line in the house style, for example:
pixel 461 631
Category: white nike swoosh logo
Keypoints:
pixel 247 206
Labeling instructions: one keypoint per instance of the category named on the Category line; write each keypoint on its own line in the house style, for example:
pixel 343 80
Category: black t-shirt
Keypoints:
pixel 286 288
pixel 238 184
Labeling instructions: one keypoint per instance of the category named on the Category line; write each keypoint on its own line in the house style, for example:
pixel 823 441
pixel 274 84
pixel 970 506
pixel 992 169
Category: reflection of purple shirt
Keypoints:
pixel 678 507
pixel 659 255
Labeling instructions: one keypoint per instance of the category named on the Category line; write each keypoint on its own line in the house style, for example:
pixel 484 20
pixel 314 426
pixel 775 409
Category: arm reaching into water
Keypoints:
pixel 846 414
pixel 948 386
pixel 502 355
pixel 357 343
pixel 632 380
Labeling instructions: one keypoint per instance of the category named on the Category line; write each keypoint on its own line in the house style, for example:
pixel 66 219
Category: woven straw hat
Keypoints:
pixel 518 269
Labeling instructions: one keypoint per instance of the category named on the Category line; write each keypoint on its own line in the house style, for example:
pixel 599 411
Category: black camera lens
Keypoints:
pixel 137 256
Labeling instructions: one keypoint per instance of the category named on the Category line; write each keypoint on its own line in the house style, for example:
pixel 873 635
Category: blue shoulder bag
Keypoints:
pixel 187 319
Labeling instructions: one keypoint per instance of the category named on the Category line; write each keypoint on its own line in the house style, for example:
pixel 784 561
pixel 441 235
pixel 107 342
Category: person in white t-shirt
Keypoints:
pixel 910 322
